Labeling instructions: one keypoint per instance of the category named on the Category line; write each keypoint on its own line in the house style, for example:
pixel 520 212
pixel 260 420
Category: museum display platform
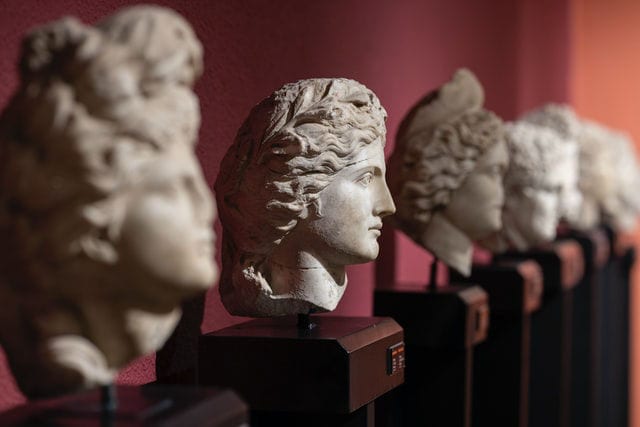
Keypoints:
pixel 442 327
pixel 312 370
pixel 149 405
pixel 562 266
pixel 501 363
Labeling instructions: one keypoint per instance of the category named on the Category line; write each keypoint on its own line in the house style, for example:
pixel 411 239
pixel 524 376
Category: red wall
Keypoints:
pixel 400 49
pixel 606 87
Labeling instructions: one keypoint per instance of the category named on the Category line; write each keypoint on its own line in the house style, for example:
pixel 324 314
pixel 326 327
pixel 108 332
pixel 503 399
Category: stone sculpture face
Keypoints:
pixel 104 213
pixel 563 120
pixel 302 194
pixel 347 231
pixel 482 193
pixel 446 171
pixel 169 219
pixel 532 186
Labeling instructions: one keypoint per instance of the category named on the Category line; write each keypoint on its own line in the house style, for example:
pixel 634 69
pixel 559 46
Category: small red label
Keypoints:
pixel 395 358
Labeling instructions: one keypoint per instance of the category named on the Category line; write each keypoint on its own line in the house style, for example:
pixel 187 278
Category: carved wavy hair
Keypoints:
pixel 94 105
pixel 286 152
pixel 559 117
pixel 429 166
pixel 535 153
pixel 597 166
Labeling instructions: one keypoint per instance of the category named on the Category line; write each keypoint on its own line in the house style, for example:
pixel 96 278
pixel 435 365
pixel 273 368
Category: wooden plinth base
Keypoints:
pixel 150 405
pixel 441 329
pixel 562 266
pixel 501 363
pixel 333 370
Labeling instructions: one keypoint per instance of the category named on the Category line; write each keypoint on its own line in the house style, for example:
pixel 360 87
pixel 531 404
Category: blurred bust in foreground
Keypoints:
pixel 105 217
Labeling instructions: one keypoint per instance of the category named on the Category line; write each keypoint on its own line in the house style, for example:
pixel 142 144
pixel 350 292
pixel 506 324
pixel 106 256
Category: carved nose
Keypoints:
pixel 385 205
pixel 205 204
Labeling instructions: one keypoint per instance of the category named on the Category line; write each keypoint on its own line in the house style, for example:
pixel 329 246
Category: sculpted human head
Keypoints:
pixel 597 179
pixel 104 213
pixel 623 205
pixel 446 171
pixel 532 188
pixel 562 119
pixel 302 194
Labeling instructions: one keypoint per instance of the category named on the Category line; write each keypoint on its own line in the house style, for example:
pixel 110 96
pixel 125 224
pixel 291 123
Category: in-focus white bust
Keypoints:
pixel 562 119
pixel 105 217
pixel 302 194
pixel 446 171
pixel 533 184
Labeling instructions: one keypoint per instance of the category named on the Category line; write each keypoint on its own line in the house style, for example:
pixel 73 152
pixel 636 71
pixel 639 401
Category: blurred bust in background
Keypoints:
pixel 533 185
pixel 446 171
pixel 561 119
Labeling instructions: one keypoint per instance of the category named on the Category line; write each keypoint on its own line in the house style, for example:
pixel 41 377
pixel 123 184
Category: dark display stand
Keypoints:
pixel 501 363
pixel 585 366
pixel 614 343
pixel 327 374
pixel 177 360
pixel 551 328
pixel 442 327
pixel 150 405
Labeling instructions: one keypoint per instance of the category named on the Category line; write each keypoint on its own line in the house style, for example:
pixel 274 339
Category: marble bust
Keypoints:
pixel 532 184
pixel 105 217
pixel 597 178
pixel 623 205
pixel 562 119
pixel 446 171
pixel 302 194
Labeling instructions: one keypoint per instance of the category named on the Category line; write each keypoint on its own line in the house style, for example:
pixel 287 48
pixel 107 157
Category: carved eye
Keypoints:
pixel 365 179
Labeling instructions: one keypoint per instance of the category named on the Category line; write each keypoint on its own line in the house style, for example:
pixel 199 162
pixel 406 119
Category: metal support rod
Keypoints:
pixel 433 275
pixel 304 322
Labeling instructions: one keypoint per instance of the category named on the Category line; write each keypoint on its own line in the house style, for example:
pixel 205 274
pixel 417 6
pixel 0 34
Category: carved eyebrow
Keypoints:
pixel 355 163
pixel 359 161
pixel 373 169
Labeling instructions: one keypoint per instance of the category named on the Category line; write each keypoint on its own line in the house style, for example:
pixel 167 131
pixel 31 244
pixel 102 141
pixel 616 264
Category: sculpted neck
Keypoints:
pixel 448 243
pixel 589 214
pixel 123 332
pixel 301 276
pixel 515 239
pixel 85 346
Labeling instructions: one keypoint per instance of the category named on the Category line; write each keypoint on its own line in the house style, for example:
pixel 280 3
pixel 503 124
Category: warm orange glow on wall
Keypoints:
pixel 606 87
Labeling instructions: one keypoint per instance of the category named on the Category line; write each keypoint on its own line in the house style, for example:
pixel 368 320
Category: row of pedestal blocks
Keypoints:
pixel 537 339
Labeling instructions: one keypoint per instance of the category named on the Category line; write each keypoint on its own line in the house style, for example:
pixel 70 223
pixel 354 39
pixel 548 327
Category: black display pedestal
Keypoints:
pixel 614 345
pixel 442 327
pixel 329 375
pixel 586 336
pixel 149 405
pixel 551 328
pixel 501 363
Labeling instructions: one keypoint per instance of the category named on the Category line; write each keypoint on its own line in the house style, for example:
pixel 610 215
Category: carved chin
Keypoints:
pixel 368 253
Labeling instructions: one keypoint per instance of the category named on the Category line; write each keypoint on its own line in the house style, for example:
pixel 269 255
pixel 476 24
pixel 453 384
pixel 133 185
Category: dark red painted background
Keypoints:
pixel 399 49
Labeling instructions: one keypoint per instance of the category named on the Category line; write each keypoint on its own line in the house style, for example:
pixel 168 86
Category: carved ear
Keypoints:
pixel 98 243
pixel 98 249
pixel 313 209
pixel 305 211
